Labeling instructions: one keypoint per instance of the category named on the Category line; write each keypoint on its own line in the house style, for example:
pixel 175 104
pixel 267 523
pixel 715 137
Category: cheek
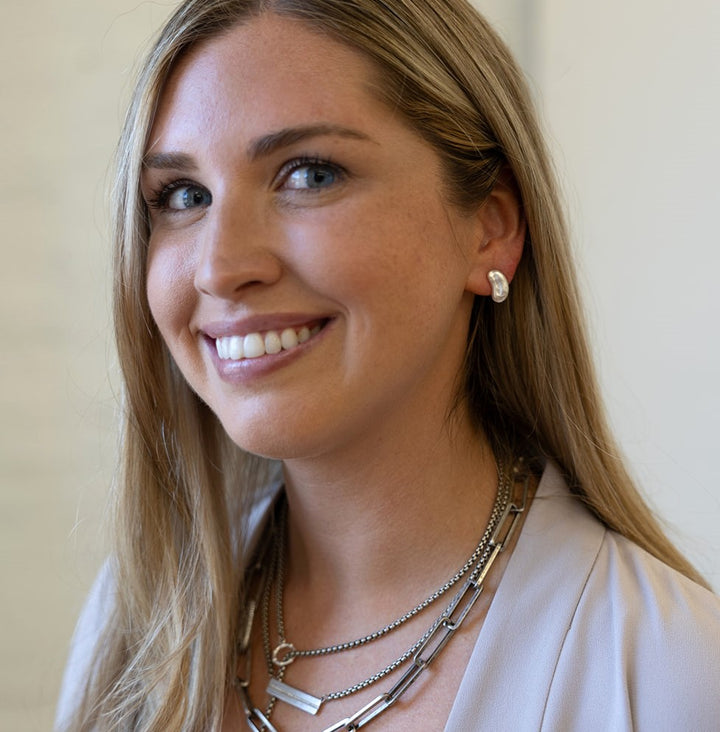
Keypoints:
pixel 170 290
pixel 365 248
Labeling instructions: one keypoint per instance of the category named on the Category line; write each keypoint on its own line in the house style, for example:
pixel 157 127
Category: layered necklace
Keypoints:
pixel 269 578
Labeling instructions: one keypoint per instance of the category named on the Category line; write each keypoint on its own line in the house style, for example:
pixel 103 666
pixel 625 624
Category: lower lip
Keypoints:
pixel 251 369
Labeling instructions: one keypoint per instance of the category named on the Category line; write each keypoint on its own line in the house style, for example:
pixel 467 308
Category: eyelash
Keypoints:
pixel 159 196
pixel 308 160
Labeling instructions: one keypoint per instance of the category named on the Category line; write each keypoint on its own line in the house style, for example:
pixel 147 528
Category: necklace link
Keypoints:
pixel 253 716
pixel 378 705
pixel 284 654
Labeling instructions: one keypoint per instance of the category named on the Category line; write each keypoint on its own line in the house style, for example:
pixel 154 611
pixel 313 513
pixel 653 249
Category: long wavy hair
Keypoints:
pixel 185 488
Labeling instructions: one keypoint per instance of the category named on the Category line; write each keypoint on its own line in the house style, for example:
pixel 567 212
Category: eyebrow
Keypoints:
pixel 268 144
pixel 169 161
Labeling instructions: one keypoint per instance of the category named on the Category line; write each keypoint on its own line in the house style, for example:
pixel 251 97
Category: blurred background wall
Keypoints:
pixel 629 94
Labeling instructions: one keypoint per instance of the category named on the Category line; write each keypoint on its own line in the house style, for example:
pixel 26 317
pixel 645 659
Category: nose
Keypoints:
pixel 234 253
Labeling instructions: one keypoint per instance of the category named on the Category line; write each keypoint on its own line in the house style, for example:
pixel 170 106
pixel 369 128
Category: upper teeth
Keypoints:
pixel 254 345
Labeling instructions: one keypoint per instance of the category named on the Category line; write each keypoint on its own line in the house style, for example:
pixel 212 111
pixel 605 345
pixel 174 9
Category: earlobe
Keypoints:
pixel 499 242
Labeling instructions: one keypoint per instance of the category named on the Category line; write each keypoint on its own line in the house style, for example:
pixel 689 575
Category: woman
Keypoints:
pixel 352 348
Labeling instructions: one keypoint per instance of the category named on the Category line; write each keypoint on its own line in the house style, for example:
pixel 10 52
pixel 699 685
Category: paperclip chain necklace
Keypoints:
pixel 445 625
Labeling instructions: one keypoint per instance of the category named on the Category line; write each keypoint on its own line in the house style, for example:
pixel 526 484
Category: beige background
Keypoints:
pixel 630 95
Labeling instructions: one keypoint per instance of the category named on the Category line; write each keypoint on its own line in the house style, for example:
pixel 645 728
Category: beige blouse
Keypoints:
pixel 586 632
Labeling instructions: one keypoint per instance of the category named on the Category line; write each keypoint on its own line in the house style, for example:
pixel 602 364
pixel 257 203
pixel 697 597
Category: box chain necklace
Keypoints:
pixel 501 527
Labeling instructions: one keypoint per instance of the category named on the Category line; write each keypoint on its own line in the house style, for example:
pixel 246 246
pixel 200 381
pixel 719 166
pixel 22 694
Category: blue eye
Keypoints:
pixel 312 176
pixel 186 196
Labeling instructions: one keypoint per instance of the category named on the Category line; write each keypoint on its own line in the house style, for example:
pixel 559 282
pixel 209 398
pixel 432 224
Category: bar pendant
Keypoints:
pixel 290 695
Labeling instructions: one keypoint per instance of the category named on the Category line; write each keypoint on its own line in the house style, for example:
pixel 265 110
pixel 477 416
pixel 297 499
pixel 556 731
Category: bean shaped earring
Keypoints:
pixel 500 286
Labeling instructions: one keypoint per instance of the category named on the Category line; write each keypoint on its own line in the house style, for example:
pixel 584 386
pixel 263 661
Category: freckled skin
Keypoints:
pixel 347 227
pixel 377 250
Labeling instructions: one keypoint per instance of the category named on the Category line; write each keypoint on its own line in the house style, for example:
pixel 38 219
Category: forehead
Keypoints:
pixel 266 73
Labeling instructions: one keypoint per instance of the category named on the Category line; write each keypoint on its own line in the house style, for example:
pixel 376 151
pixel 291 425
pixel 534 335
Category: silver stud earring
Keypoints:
pixel 500 286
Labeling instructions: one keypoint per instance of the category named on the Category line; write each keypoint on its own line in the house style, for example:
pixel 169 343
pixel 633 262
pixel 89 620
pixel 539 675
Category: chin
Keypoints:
pixel 271 440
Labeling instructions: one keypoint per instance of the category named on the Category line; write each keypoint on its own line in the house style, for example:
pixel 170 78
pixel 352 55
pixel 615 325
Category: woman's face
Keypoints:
pixel 305 269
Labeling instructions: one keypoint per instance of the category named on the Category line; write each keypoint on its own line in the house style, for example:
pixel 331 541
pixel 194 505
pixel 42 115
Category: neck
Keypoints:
pixel 372 537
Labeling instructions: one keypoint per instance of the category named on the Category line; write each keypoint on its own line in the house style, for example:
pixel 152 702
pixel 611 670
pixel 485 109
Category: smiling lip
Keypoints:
pixel 258 343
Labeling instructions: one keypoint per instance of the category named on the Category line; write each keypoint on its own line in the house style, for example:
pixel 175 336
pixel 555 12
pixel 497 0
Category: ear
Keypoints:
pixel 500 228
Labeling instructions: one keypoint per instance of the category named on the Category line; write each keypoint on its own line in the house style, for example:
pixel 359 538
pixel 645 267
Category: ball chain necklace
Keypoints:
pixel 500 529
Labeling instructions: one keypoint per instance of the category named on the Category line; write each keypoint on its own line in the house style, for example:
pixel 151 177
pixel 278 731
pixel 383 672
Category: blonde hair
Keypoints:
pixel 184 492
